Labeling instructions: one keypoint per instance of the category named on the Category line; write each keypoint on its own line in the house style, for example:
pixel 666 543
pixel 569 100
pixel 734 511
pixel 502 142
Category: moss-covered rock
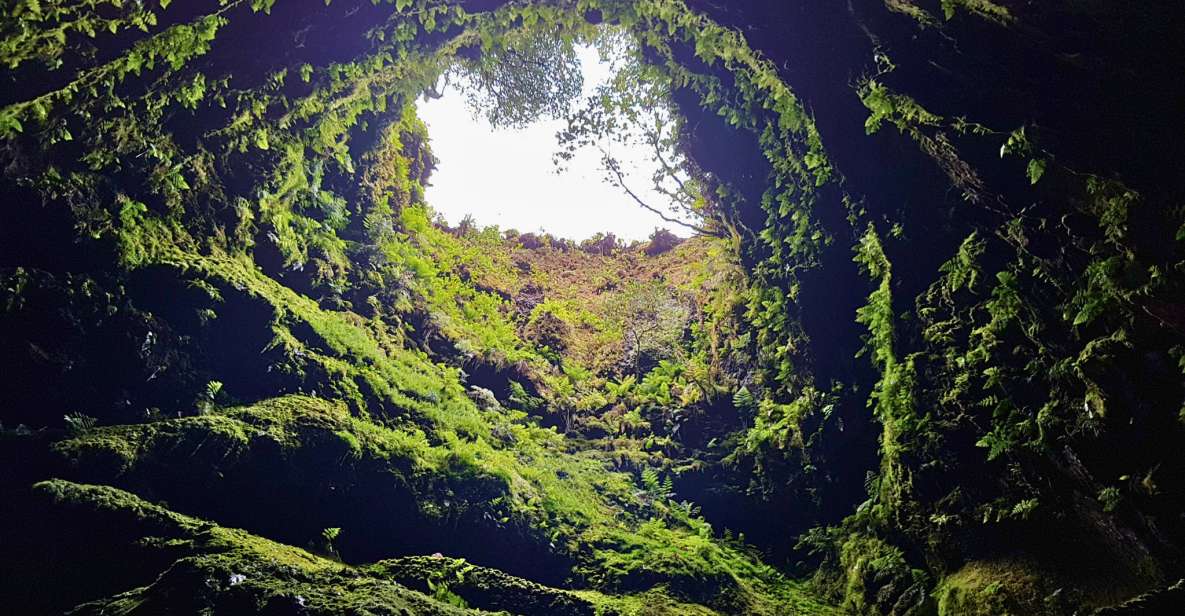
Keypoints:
pixel 393 492
pixel 236 583
pixel 482 587
pixel 171 563
pixel 154 561
pixel 997 588
pixel 654 602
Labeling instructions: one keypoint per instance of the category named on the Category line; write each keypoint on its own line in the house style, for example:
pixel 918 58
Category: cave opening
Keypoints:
pixel 625 315
pixel 511 176
pixel 869 307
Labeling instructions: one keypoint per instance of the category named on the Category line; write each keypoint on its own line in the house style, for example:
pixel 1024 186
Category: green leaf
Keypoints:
pixel 1036 170
pixel 132 212
pixel 10 125
pixel 1092 309
pixel 1017 142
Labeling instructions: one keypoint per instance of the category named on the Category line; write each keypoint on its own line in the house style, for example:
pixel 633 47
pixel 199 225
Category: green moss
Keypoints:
pixel 574 505
pixel 872 566
pixel 654 602
pixel 481 587
pixel 864 573
pixel 228 570
pixel 212 583
pixel 403 417
pixel 301 429
pixel 117 507
pixel 662 601
pixel 171 166
pixel 981 8
pixel 995 588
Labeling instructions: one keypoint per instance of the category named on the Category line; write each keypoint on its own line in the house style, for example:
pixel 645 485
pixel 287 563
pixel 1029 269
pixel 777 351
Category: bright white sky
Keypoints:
pixel 506 177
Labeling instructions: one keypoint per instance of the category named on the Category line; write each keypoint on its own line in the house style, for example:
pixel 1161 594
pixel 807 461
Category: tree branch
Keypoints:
pixel 615 169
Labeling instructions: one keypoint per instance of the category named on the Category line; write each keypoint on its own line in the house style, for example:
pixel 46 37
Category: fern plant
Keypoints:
pixel 658 488
pixel 207 402
pixel 78 424
pixel 743 399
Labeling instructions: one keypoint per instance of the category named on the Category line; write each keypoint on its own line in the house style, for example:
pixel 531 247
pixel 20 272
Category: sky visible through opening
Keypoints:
pixel 506 177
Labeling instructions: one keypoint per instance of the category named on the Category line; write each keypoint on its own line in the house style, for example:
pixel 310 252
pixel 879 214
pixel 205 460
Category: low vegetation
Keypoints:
pixel 921 352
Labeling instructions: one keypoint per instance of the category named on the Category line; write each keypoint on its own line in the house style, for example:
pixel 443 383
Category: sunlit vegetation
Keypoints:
pixel 921 355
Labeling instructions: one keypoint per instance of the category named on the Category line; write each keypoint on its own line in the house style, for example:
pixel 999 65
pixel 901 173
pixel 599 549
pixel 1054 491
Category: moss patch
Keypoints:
pixel 532 509
pixel 482 587
pixel 995 588
pixel 206 567
pixel 209 567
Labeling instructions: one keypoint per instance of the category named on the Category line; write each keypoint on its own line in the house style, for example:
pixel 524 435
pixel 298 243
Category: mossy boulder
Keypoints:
pixel 486 588
pixel 115 553
pixel 998 588
pixel 235 583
